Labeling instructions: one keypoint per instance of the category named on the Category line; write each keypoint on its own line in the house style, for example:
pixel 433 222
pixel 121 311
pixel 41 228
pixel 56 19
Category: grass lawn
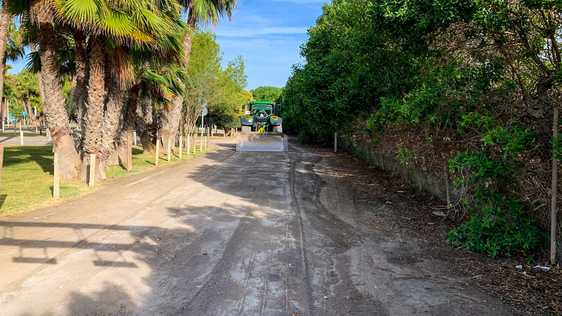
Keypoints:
pixel 27 177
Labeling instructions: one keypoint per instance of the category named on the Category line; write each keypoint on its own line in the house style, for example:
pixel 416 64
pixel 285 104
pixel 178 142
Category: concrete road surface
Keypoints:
pixel 228 234
pixel 28 140
pixel 262 143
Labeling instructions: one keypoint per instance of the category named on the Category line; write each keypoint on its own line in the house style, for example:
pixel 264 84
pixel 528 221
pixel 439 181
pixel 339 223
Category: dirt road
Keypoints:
pixel 228 234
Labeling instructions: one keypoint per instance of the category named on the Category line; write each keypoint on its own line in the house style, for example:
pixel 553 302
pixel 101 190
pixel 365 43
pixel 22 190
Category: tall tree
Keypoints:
pixel 197 11
pixel 267 93
pixel 5 19
pixel 96 26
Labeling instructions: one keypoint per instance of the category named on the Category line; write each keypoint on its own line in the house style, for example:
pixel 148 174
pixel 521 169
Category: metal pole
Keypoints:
pixel 336 142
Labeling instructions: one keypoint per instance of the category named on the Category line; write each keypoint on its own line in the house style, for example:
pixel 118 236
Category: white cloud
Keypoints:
pixel 260 31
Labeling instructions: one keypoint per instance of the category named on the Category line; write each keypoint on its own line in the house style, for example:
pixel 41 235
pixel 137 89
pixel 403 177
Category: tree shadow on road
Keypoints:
pixel 41 155
pixel 178 256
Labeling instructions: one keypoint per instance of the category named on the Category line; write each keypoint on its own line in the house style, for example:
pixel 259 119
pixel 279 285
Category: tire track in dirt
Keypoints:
pixel 329 241
pixel 298 213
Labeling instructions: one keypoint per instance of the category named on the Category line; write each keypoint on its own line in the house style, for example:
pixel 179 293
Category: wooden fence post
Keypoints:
pixel 1 160
pixel 181 147
pixel 447 189
pixel 169 149
pixel 202 140
pixel 554 187
pixel 157 149
pixel 56 176
pixel 207 139
pixel 188 144
pixel 130 150
pixel 92 173
pixel 336 142
pixel 21 135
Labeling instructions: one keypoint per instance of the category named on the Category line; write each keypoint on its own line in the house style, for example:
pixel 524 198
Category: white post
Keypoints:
pixel 335 142
pixel 134 138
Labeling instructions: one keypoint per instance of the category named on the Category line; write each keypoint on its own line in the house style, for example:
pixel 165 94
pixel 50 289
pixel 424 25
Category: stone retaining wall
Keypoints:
pixel 437 185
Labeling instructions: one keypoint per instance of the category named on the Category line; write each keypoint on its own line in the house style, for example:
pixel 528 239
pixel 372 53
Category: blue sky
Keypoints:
pixel 266 33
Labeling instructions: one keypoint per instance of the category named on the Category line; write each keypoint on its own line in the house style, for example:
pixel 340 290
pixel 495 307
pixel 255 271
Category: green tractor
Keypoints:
pixel 261 118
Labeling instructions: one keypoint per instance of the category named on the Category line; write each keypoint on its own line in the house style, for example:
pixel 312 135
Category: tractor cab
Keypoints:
pixel 261 118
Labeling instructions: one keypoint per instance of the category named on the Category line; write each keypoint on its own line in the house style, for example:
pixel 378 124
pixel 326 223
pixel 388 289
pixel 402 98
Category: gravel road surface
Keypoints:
pixel 227 234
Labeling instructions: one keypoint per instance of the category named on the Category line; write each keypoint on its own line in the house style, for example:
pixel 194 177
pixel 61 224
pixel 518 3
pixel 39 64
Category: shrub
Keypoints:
pixel 500 227
pixel 498 224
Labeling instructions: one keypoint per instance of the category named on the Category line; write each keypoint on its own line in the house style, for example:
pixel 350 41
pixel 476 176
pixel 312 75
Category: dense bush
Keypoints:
pixel 480 77
pixel 497 226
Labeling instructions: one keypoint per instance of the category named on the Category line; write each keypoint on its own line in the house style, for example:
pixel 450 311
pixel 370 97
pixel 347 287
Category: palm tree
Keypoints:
pixel 203 11
pixel 5 18
pixel 42 22
pixel 197 11
pixel 97 25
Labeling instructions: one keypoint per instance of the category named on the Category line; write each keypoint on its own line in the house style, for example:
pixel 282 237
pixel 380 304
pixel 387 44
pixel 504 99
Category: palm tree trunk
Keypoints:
pixel 80 84
pixel 53 96
pixel 93 119
pixel 146 125
pixel 113 123
pixel 29 111
pixel 188 44
pixel 5 19
pixel 171 116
